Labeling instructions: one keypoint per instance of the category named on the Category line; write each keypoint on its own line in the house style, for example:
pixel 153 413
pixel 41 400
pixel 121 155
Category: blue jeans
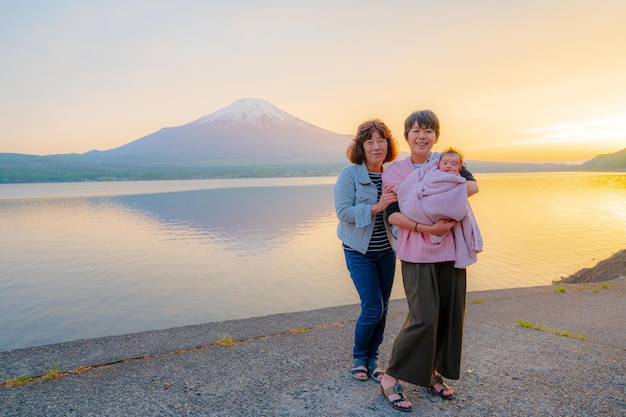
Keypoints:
pixel 372 275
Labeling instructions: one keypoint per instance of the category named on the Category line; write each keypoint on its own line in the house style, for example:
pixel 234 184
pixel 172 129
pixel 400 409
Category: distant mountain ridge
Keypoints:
pixel 249 138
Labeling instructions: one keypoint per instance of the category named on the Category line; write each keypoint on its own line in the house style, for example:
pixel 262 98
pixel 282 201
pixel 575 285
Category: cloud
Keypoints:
pixel 610 127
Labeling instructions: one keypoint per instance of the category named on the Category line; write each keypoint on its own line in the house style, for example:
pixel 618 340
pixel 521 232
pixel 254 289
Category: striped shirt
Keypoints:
pixel 380 240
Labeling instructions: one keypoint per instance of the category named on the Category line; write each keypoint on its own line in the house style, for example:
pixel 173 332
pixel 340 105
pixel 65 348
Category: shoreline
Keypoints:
pixel 608 269
pixel 296 364
pixel 552 350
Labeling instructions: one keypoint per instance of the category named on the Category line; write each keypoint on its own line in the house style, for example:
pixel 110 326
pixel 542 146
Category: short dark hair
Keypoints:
pixel 356 152
pixel 423 118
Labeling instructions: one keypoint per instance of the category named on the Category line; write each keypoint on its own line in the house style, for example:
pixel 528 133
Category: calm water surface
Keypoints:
pixel 96 259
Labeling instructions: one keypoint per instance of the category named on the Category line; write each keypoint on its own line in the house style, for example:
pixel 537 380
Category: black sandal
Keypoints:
pixel 438 379
pixel 359 369
pixel 397 390
pixel 372 366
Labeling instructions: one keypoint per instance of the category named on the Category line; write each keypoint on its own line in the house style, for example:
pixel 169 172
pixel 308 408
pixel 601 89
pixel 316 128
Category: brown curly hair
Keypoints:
pixel 356 152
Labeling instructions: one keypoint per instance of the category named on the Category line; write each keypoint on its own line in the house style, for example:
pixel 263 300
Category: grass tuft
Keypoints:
pixel 53 373
pixel 297 330
pixel 18 382
pixel 225 341
pixel 568 334
pixel 528 325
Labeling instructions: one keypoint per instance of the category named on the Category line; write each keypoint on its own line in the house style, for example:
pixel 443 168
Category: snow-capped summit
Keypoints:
pixel 251 111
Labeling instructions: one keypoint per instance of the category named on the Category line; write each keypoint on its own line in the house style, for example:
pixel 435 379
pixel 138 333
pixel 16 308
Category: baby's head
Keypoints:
pixel 451 160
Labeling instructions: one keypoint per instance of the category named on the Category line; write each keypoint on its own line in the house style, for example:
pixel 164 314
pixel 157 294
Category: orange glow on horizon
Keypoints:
pixel 531 82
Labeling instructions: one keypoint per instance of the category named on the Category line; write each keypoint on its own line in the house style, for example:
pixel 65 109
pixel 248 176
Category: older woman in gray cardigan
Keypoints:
pixel 360 202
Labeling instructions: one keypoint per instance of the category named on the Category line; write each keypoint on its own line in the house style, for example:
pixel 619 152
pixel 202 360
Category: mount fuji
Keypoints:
pixel 247 132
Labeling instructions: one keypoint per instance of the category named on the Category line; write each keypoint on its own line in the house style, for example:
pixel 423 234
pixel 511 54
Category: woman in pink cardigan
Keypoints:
pixel 429 344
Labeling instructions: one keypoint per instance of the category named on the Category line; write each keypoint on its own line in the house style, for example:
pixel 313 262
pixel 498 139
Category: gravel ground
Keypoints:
pixel 297 364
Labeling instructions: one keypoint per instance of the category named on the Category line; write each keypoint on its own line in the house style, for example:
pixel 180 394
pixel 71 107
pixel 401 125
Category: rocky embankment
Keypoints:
pixel 606 270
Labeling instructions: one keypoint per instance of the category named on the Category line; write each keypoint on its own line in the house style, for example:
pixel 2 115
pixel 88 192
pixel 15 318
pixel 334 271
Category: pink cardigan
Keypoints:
pixel 460 246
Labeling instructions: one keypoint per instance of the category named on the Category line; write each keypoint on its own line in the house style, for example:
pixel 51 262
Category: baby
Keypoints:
pixel 442 194
pixel 440 190
pixel 451 160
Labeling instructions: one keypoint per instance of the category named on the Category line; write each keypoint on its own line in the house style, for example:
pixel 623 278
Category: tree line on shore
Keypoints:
pixel 20 168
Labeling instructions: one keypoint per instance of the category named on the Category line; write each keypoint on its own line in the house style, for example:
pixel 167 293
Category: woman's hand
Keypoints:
pixel 387 197
pixel 441 227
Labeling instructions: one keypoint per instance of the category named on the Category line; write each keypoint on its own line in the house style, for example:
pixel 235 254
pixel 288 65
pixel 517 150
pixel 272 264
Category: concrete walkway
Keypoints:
pixel 297 364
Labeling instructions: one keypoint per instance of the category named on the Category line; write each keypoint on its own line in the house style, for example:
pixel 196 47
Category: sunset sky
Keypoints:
pixel 511 80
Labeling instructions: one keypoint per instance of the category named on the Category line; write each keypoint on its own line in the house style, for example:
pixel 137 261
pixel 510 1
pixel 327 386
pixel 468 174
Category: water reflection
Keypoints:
pixel 540 227
pixel 80 267
pixel 246 219
pixel 87 267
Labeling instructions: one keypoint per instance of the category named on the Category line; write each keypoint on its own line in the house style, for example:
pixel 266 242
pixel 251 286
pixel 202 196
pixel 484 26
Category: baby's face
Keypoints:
pixel 450 163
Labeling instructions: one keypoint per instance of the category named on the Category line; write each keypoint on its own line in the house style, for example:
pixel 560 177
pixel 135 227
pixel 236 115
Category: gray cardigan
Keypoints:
pixel 354 195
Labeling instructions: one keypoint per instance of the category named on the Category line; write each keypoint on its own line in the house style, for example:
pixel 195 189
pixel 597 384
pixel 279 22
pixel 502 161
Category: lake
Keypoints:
pixel 84 260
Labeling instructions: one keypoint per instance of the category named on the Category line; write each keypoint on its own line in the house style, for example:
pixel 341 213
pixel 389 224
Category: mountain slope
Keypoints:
pixel 609 162
pixel 248 132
